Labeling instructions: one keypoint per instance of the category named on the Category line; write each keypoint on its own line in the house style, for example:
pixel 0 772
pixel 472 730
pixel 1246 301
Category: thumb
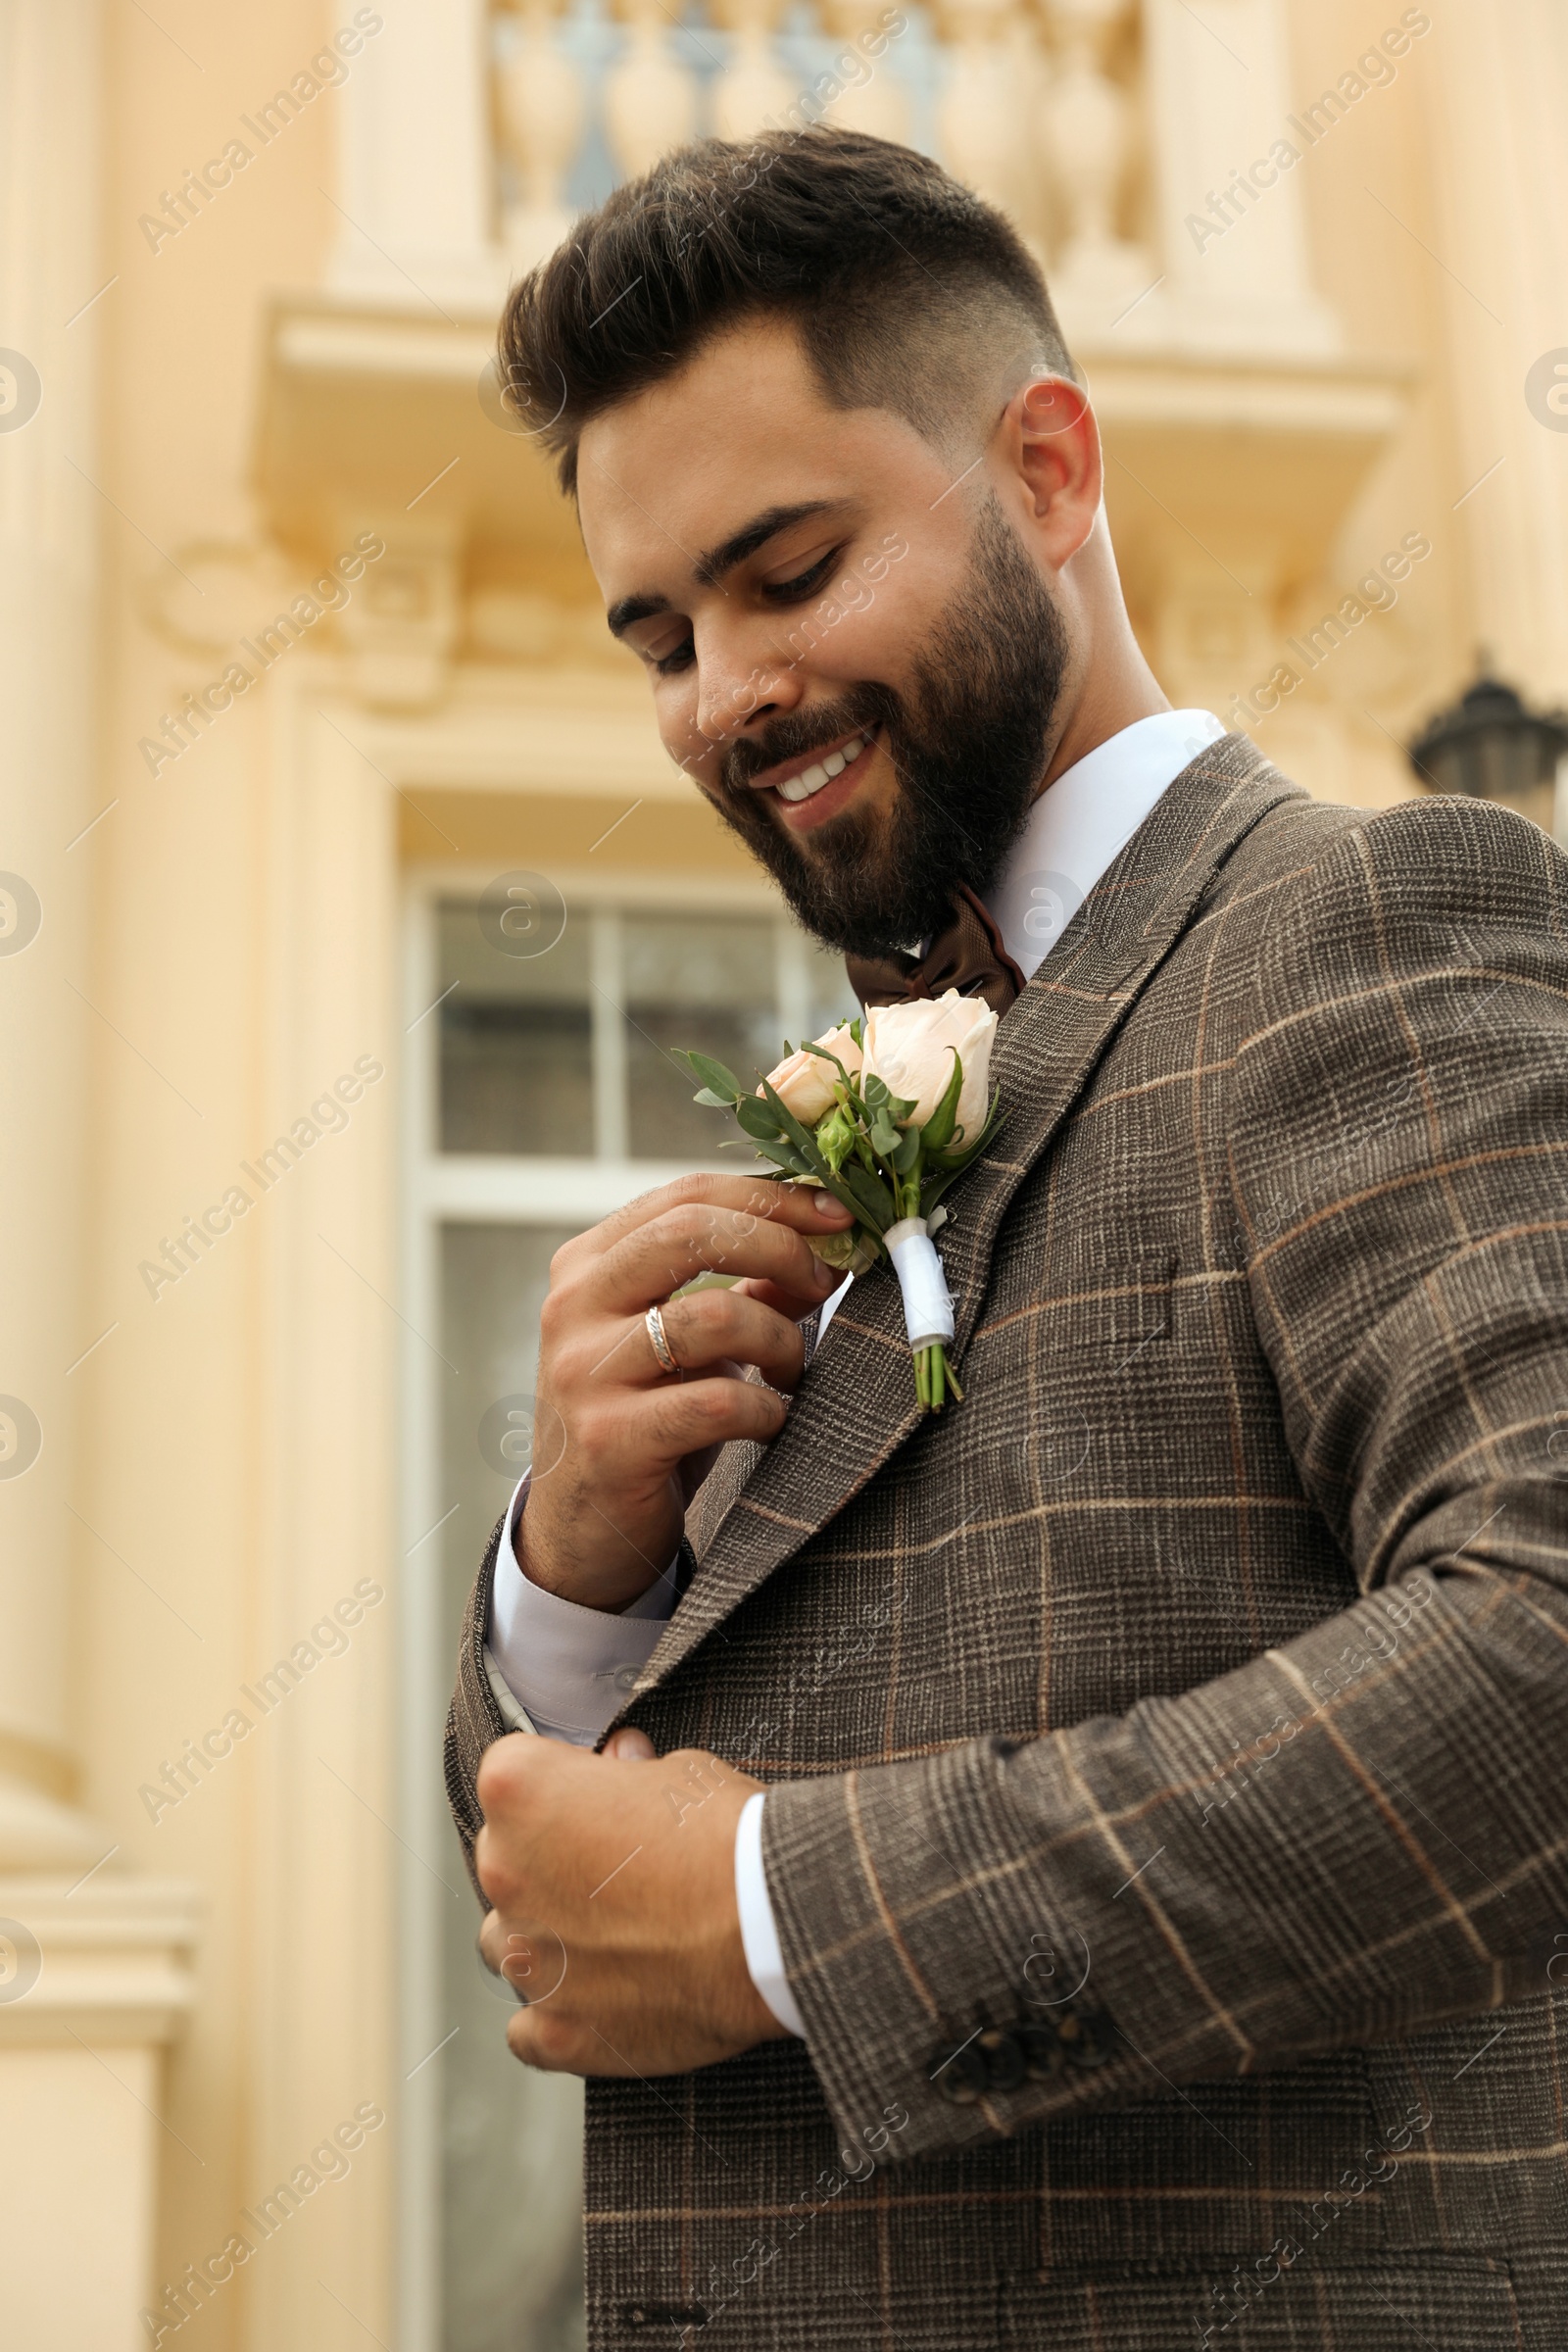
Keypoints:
pixel 630 1746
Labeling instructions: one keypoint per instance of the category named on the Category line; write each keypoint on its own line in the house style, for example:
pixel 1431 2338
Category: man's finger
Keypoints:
pixel 808 1207
pixel 750 1196
pixel 493 1942
pixel 662 1426
pixel 660 1257
pixel 788 1304
pixel 709 1327
pixel 629 1745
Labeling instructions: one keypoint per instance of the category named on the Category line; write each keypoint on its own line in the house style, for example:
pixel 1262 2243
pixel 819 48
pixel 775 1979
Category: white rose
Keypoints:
pixel 804 1083
pixel 911 1047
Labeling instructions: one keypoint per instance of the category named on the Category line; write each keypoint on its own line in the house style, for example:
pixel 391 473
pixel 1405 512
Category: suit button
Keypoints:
pixel 1085 2040
pixel 1005 2067
pixel 962 2075
pixel 1042 2052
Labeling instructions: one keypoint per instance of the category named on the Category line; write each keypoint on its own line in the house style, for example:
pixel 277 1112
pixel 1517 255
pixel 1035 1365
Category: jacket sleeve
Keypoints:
pixel 1398 1129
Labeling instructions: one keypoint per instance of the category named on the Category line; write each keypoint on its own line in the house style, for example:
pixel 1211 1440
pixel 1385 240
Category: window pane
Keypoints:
pixel 516 1072
pixel 705 982
pixel 512 2156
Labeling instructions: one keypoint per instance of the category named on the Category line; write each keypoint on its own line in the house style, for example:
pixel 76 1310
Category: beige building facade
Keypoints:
pixel 348 904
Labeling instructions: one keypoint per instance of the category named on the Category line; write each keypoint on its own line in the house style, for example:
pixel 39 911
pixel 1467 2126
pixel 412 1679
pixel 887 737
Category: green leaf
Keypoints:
pixel 757 1118
pixel 933 1184
pixel 937 1132
pixel 783 1155
pixel 714 1077
pixel 712 1101
pixel 867 1196
pixel 873 1091
pixel 961 1158
pixel 884 1136
pixel 908 1151
pixel 822 1055
pixel 899 1109
pixel 858 1032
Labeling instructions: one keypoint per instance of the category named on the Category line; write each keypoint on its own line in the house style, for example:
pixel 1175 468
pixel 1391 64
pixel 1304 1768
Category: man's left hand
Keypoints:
pixel 613 1885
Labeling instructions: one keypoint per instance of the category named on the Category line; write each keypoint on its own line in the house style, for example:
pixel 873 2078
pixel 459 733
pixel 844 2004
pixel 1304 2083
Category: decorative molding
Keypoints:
pixel 114 1959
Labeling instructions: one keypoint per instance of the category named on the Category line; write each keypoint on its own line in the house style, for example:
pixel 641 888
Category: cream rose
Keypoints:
pixel 805 1082
pixel 911 1047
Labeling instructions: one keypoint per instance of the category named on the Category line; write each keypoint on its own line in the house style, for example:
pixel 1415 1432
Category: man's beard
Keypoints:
pixel 968 749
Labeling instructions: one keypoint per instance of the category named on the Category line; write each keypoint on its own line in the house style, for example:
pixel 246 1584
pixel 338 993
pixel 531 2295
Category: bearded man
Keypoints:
pixel 1088 1871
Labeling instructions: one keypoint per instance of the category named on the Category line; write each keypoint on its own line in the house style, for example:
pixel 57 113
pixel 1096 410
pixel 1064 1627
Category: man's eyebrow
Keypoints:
pixel 629 609
pixel 710 568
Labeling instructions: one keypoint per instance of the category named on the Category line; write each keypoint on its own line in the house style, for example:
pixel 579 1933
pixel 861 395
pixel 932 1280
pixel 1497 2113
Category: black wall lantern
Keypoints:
pixel 1493 747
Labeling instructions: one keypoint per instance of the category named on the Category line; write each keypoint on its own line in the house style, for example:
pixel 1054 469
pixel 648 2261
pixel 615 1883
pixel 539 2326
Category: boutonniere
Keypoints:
pixel 885 1112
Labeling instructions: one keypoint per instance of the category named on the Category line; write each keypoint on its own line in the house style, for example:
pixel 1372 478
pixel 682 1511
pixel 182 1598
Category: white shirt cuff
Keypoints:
pixel 571 1670
pixel 764 1960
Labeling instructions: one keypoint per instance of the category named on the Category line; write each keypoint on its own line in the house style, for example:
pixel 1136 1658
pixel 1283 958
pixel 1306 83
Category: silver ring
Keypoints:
pixel 653 1323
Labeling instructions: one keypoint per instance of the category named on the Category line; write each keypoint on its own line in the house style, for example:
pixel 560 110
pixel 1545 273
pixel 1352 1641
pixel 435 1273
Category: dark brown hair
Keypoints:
pixel 908 292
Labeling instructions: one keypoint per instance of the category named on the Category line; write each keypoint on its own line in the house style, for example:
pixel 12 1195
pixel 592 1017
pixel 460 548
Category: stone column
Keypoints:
pixel 1228 200
pixel 91 1967
pixel 1499 173
pixel 415 178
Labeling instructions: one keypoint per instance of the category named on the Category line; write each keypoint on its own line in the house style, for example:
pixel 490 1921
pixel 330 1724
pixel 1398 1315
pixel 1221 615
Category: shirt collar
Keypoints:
pixel 1080 822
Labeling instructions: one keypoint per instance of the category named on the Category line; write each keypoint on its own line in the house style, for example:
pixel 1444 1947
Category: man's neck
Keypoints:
pixel 1116 695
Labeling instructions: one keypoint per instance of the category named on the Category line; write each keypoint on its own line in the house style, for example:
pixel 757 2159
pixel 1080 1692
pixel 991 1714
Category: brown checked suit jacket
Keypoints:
pixel 1170 1838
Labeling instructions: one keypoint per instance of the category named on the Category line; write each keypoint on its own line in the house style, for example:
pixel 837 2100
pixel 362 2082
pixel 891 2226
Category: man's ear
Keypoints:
pixel 1053 441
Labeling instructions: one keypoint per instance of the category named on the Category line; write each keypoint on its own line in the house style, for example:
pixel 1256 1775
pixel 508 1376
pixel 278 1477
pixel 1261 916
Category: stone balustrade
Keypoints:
pixel 1034 105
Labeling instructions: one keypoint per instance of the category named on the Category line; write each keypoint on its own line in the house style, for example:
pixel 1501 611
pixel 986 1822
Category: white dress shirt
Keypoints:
pixel 565 1670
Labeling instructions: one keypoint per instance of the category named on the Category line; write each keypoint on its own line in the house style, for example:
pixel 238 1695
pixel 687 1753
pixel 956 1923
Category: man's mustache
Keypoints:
pixel 800 733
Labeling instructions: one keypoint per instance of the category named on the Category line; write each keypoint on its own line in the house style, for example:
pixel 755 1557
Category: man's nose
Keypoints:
pixel 735 699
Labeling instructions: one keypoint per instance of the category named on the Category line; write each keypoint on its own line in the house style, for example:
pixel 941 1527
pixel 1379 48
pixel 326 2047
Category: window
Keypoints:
pixel 540 1093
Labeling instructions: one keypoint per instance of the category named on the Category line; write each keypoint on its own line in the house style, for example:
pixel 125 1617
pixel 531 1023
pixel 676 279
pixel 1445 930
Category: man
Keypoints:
pixel 1148 1935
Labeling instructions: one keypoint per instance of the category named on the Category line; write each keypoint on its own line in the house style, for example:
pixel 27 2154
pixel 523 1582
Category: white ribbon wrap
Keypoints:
pixel 927 1307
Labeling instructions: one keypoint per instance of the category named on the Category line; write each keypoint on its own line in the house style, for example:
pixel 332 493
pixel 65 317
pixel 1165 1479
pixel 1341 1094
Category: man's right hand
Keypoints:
pixel 619 1445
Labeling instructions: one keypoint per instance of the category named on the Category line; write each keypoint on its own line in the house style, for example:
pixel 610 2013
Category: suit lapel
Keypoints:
pixel 856 1404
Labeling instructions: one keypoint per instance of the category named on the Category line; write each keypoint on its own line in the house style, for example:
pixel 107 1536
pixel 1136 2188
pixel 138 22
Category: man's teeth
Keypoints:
pixel 812 779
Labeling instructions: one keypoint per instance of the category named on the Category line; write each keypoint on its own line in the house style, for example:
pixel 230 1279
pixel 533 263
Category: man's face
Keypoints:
pixel 850 650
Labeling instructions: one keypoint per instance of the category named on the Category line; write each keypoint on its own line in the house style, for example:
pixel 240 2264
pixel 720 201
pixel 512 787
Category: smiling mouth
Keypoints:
pixel 808 781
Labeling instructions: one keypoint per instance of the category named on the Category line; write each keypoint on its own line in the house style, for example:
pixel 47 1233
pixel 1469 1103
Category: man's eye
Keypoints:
pixel 668 665
pixel 805 583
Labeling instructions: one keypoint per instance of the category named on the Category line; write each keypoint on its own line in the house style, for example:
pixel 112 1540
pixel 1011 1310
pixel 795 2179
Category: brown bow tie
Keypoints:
pixel 968 955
